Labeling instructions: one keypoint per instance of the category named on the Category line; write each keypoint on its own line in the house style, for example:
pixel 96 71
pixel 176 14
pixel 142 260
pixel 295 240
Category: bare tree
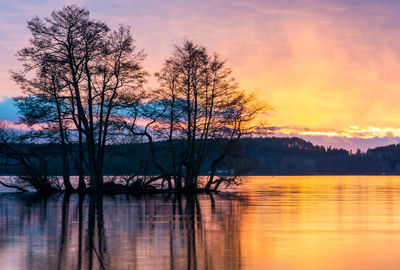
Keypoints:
pixel 95 70
pixel 200 111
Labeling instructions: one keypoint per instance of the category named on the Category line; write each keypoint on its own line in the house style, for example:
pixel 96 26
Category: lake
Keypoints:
pixel 285 223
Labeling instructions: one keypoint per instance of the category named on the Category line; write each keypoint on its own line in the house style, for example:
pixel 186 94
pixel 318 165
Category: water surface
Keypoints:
pixel 308 222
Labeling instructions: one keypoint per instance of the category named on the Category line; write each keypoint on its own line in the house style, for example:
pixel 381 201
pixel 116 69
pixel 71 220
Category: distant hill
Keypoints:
pixel 260 156
pixel 293 156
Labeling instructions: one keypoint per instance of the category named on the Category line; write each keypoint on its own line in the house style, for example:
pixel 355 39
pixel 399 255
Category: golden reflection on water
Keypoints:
pixel 329 222
pixel 307 222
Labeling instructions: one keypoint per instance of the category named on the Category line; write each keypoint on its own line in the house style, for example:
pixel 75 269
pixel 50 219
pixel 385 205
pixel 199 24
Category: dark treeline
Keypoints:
pixel 295 156
pixel 253 156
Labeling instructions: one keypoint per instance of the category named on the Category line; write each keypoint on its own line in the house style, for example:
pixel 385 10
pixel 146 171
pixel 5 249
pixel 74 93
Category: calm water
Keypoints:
pixel 312 222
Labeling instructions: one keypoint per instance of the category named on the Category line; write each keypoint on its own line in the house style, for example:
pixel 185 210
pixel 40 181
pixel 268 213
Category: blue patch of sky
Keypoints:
pixel 8 111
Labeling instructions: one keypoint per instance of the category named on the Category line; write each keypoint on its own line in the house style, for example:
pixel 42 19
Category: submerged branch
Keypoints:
pixel 14 186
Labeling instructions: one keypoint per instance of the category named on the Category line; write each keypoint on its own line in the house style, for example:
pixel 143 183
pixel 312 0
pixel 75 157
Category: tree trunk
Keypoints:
pixel 81 183
pixel 190 186
pixel 65 169
pixel 64 150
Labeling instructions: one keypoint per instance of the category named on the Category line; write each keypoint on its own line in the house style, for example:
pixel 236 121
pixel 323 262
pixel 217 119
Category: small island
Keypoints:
pixel 85 90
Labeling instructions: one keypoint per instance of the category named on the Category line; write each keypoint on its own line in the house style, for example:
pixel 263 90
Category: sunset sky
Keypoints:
pixel 329 68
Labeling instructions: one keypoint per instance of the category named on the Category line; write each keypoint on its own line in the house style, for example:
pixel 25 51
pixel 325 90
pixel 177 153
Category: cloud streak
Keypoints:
pixel 351 132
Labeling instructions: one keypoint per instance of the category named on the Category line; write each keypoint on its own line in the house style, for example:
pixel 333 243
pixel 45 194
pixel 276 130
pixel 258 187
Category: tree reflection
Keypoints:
pixel 80 225
pixel 96 232
pixel 64 230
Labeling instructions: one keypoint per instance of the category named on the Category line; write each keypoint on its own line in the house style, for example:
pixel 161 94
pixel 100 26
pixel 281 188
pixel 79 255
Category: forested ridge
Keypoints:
pixel 254 156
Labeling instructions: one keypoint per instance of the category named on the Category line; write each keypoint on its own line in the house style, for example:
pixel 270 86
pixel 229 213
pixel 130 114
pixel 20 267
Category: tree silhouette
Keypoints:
pixel 89 70
pixel 200 111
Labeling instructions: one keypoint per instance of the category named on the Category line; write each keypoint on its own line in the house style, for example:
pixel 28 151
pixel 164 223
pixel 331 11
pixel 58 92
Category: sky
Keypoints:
pixel 330 69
